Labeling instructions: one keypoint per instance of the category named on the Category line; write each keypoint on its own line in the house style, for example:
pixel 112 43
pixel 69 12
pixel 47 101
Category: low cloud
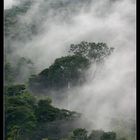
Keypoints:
pixel 109 95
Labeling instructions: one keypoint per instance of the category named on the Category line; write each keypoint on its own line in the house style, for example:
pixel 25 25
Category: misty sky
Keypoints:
pixel 112 92
pixel 9 3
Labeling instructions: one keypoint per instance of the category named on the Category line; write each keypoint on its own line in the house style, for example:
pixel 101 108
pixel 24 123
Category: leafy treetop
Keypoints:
pixel 91 50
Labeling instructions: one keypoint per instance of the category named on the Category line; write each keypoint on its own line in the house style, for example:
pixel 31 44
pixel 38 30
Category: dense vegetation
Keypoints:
pixel 64 72
pixel 24 113
pixel 27 117
pixel 69 71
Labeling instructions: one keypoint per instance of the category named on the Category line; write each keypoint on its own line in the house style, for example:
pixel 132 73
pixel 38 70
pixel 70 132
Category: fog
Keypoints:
pixel 9 3
pixel 108 98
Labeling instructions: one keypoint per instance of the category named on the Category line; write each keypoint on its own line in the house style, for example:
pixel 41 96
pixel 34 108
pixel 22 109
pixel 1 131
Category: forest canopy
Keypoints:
pixel 60 97
pixel 69 71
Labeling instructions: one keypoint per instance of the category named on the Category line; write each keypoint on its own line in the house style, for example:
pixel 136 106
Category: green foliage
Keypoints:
pixel 68 115
pixel 64 72
pixel 96 51
pixel 66 69
pixel 30 99
pixel 79 134
pixel 45 102
pixel 23 113
pixel 69 71
pixel 122 138
pixel 54 130
pixel 45 112
pixel 96 135
pixel 28 117
pixel 14 90
pixel 108 136
pixel 20 118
